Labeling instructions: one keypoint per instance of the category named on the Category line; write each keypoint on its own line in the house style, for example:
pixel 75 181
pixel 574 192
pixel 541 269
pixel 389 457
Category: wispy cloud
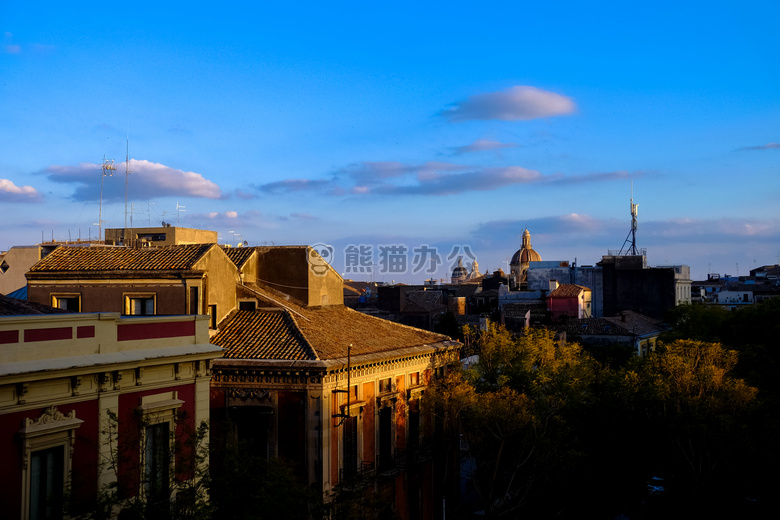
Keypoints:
pixel 519 103
pixel 429 178
pixel 292 185
pixel 768 146
pixel 147 181
pixel 482 145
pixel 575 231
pixel 10 192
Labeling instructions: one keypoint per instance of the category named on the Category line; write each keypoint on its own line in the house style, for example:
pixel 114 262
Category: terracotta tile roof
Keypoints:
pixel 170 258
pixel 637 323
pixel 263 335
pixel 330 329
pixel 592 327
pixel 567 290
pixel 14 307
pixel 327 330
pixel 238 255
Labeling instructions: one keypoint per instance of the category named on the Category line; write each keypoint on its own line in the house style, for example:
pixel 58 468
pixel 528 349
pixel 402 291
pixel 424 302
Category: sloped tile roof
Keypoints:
pixel 592 327
pixel 170 258
pixel 238 255
pixel 263 335
pixel 567 290
pixel 327 330
pixel 13 307
pixel 637 323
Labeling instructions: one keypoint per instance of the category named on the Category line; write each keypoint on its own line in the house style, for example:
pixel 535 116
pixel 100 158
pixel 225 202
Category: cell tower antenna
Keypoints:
pixel 108 170
pixel 128 171
pixel 629 246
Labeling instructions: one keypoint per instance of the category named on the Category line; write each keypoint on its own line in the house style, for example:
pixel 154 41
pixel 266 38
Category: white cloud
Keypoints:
pixel 519 103
pixel 10 192
pixel 147 181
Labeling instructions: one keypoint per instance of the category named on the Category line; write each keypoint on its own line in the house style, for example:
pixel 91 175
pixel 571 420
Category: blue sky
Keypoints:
pixel 379 123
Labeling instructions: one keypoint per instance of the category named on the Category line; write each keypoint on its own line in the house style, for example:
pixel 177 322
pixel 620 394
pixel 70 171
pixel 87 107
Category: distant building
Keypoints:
pixel 636 332
pixel 459 274
pixel 15 263
pixel 568 301
pixel 166 235
pixel 520 261
pixel 630 285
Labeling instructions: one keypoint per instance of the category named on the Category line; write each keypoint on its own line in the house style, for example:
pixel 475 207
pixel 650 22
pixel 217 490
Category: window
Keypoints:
pixel 194 307
pixel 47 473
pixel 350 447
pixel 69 302
pixel 213 317
pixel 157 458
pixel 46 451
pixel 158 419
pixel 414 379
pixel 385 439
pixel 140 304
pixel 385 386
pixel 249 305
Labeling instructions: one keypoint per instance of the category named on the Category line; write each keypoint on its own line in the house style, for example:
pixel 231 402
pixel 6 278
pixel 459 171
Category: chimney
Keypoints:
pixel 553 285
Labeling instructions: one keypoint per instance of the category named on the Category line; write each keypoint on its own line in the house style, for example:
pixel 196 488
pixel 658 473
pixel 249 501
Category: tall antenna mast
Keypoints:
pixel 108 170
pixel 631 238
pixel 179 209
pixel 127 175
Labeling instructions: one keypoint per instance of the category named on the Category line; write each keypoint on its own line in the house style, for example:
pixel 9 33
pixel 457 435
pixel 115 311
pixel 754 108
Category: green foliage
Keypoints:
pixel 512 410
pixel 535 417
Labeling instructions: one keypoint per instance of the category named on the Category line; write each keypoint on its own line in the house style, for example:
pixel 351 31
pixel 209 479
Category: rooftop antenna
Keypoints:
pixel 179 209
pixel 108 171
pixel 127 175
pixel 631 238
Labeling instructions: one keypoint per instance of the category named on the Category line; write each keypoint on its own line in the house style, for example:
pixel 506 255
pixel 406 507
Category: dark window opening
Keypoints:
pixel 213 317
pixel 156 467
pixel 46 483
pixel 194 307
pixel 385 438
pixel 350 447
pixel 247 306
pixel 69 303
pixel 141 306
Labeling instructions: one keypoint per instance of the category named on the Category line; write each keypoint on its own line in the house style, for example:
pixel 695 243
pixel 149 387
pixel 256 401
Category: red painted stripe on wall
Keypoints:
pixel 48 334
pixel 137 331
pixel 85 332
pixel 9 336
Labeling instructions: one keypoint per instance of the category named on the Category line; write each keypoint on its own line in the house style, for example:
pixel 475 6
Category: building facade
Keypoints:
pixel 62 375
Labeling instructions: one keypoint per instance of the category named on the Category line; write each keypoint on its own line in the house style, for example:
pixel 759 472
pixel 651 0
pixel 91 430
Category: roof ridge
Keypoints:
pixel 300 333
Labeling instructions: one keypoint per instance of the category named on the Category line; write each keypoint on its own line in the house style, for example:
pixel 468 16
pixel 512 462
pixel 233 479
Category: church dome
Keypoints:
pixel 526 253
pixel 460 273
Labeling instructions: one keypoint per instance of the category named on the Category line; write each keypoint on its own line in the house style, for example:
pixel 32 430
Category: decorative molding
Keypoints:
pixel 21 391
pixel 103 379
pixel 261 394
pixel 49 415
pixel 75 384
